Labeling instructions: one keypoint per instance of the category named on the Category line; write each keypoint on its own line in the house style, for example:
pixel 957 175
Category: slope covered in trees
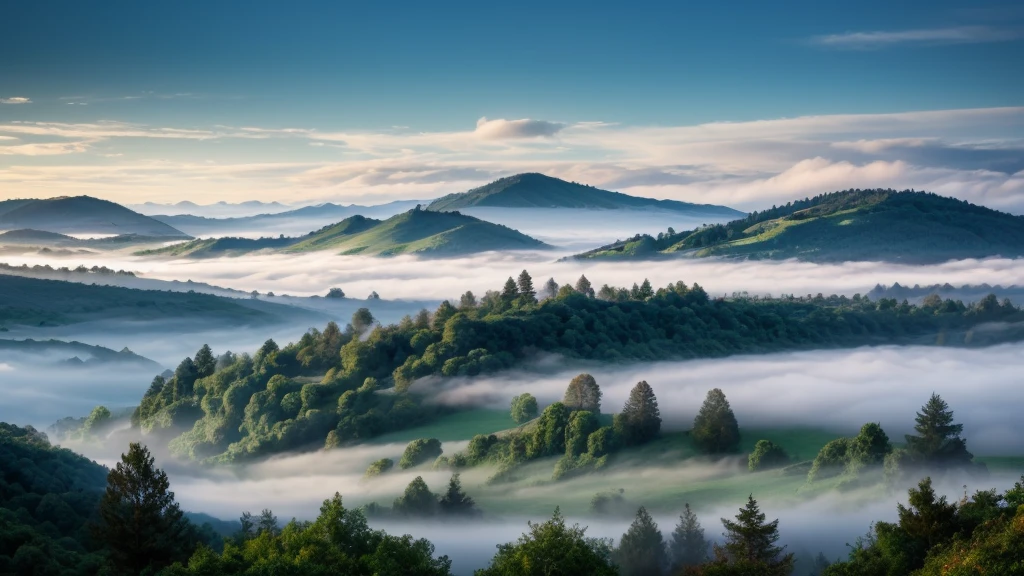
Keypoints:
pixel 532 190
pixel 322 390
pixel 858 225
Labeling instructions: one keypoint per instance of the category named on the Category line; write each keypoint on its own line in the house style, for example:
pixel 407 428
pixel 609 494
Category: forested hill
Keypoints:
pixel 417 231
pixel 853 225
pixel 81 215
pixel 322 389
pixel 532 190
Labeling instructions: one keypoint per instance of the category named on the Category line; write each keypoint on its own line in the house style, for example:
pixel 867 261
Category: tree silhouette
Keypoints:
pixel 715 429
pixel 938 439
pixel 455 501
pixel 204 361
pixel 525 286
pixel 640 419
pixel 524 408
pixel 583 287
pixel 140 523
pixel 750 541
pixel 641 551
pixel 688 546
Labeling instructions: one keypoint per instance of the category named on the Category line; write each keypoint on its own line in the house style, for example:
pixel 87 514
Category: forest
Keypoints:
pixel 326 389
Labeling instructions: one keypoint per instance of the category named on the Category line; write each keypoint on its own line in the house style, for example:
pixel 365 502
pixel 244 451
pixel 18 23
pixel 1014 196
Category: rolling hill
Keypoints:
pixel 417 231
pixel 76 354
pixel 80 215
pixel 853 225
pixel 532 190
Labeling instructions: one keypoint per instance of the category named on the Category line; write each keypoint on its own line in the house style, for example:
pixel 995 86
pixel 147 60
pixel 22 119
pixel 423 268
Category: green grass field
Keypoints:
pixel 454 427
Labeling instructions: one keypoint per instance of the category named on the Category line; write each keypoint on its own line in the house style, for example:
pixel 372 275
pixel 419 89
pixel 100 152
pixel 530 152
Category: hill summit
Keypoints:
pixel 533 190
pixel 80 215
pixel 852 225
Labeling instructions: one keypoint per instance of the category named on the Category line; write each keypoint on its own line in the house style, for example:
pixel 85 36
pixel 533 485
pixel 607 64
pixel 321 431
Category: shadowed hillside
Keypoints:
pixel 80 215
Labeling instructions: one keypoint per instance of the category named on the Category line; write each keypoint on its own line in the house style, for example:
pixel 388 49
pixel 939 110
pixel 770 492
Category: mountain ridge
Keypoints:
pixel 81 215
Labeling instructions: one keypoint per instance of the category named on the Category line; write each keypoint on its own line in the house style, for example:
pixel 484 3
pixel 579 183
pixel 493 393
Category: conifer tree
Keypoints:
pixel 715 429
pixel 750 541
pixel 525 286
pixel 141 525
pixel 510 291
pixel 550 289
pixel 938 440
pixel 204 361
pixel 455 502
pixel 583 287
pixel 688 546
pixel 641 551
pixel 640 419
pixel 417 500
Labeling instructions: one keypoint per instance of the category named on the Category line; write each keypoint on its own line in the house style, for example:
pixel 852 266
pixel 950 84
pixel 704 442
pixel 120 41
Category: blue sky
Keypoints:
pixel 120 84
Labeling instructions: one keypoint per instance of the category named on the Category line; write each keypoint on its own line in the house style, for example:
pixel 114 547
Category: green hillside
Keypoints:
pixel 532 190
pixel 428 234
pixel 853 225
pixel 81 215
pixel 216 247
pixel 330 236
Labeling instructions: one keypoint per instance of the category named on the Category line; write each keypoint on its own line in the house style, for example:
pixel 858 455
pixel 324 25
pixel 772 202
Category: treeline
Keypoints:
pixel 81 269
pixel 322 389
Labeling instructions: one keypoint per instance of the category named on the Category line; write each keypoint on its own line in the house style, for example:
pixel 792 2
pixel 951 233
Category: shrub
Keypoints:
pixel 420 451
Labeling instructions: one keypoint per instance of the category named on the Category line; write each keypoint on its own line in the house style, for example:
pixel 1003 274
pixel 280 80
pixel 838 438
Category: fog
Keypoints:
pixel 408 277
pixel 838 390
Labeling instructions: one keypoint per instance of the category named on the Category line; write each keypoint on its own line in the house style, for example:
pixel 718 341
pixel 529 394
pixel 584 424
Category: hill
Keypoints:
pixel 853 225
pixel 73 354
pixel 80 215
pixel 330 236
pixel 216 247
pixel 532 190
pixel 425 233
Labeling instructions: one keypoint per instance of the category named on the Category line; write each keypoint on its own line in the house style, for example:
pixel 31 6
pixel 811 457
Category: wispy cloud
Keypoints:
pixel 500 128
pixel 16 100
pixel 932 36
pixel 44 149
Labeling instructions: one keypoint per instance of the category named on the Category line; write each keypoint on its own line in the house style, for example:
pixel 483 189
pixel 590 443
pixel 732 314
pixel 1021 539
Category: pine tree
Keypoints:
pixel 205 363
pixel 640 419
pixel 641 551
pixel 468 300
pixel 510 291
pixel 417 500
pixel 525 285
pixel 550 289
pixel 455 502
pixel 267 523
pixel 141 525
pixel 583 287
pixel 715 429
pixel 688 547
pixel 646 291
pixel 583 393
pixel 938 439
pixel 750 541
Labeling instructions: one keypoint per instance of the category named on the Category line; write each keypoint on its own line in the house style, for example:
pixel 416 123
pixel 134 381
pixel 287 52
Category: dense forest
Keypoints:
pixel 328 388
pixel 859 225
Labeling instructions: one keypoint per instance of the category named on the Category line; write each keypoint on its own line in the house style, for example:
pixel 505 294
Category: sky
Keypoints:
pixel 746 104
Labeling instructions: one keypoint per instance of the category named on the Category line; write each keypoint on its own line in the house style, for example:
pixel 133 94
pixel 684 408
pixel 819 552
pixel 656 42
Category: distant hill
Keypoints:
pixel 41 238
pixel 853 225
pixel 414 232
pixel 80 215
pixel 77 354
pixel 216 210
pixel 532 190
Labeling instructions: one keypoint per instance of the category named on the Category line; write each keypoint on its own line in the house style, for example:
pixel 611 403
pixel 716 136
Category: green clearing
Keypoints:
pixel 454 427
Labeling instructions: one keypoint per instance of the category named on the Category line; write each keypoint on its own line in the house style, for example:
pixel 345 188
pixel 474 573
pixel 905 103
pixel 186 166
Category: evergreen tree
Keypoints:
pixel 141 525
pixel 938 439
pixel 583 393
pixel 688 547
pixel 455 502
pixel 417 500
pixel 715 429
pixel 204 361
pixel 467 301
pixel 646 291
pixel 640 419
pixel 509 292
pixel 750 541
pixel 525 286
pixel 443 313
pixel 267 523
pixel 583 287
pixel 929 519
pixel 641 551
pixel 550 289
pixel 362 320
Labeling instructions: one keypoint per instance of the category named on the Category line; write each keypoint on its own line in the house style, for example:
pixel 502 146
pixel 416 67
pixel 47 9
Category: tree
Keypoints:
pixel 524 408
pixel 417 500
pixel 938 439
pixel 205 363
pixel 548 438
pixel 552 549
pixel 869 447
pixel 467 301
pixel 766 455
pixel 550 289
pixel 750 540
pixel 645 292
pixel 335 293
pixel 525 286
pixel 362 320
pixel 267 523
pixel 640 419
pixel 140 523
pixel 582 424
pixel 444 312
pixel 583 287
pixel 98 419
pixel 715 430
pixel 641 551
pixel 455 502
pixel 379 467
pixel 583 393
pixel 929 519
pixel 688 546
pixel 420 451
pixel 509 292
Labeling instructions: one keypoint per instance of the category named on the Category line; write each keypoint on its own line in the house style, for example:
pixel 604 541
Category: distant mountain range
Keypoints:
pixel 416 231
pixel 76 354
pixel 216 210
pixel 854 225
pixel 533 190
pixel 40 238
pixel 81 215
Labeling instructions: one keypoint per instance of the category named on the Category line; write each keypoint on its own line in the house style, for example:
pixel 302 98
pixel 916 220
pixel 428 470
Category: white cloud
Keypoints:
pixel 16 100
pixel 500 129
pixel 880 39
pixel 44 149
